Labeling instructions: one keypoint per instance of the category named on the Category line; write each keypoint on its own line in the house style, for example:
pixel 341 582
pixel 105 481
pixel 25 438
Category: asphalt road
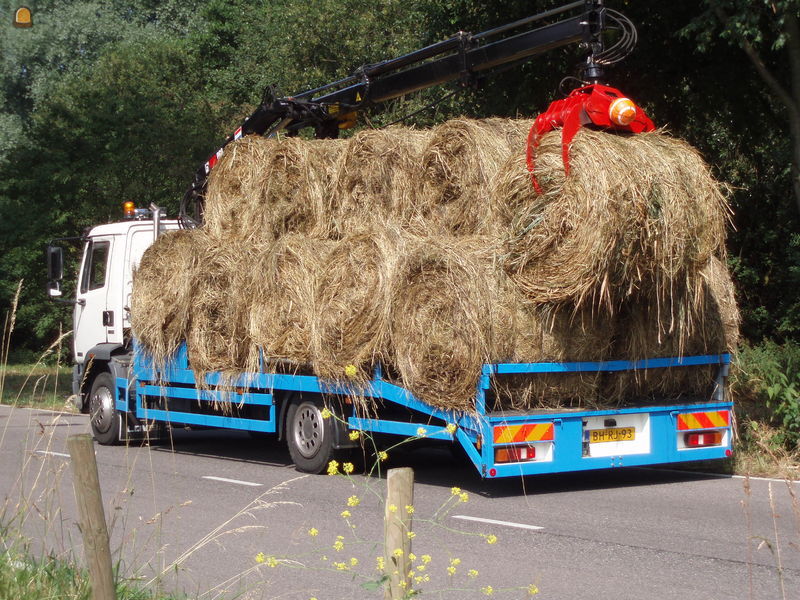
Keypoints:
pixel 193 514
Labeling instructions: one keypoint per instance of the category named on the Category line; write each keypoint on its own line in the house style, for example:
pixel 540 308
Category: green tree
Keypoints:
pixel 768 33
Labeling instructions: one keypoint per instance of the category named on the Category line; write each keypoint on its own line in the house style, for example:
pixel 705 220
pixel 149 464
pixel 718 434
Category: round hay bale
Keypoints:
pixel 636 211
pixel 216 337
pixel 555 334
pixel 700 318
pixel 442 314
pixel 352 304
pixel 458 164
pixel 264 188
pixel 281 297
pixel 375 180
pixel 163 287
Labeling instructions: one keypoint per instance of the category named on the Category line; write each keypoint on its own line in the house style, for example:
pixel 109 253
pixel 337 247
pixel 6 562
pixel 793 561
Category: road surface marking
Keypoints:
pixel 717 475
pixel 52 453
pixel 236 481
pixel 496 522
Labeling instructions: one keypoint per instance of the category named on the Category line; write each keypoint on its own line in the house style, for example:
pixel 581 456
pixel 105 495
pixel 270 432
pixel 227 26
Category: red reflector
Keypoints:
pixel 515 453
pixel 492 472
pixel 706 438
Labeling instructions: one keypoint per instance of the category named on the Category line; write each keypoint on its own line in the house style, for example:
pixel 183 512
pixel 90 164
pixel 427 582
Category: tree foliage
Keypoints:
pixel 104 102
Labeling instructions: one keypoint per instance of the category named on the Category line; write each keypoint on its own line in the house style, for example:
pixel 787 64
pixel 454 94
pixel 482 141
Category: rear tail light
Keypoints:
pixel 521 453
pixel 705 438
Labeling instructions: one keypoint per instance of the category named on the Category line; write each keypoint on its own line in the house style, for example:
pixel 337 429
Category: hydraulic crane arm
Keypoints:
pixel 463 57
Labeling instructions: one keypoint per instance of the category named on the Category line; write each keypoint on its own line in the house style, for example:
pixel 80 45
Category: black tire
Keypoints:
pixel 103 413
pixel 310 437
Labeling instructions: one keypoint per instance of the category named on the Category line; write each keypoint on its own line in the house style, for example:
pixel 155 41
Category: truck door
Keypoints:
pixel 138 241
pixel 91 309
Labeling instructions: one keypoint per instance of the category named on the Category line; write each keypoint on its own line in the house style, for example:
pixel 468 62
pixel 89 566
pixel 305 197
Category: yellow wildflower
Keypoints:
pixel 421 432
pixel 313 532
pixel 451 570
pixel 353 561
pixel 455 561
pixel 417 579
pixel 340 566
pixel 412 557
pixel 333 467
pixel 398 552
pixel 260 558
pixel 348 467
pixel 491 539
pixel 326 414
pixel 272 562
pixel 392 508
pixel 473 573
pixel 354 435
pixel 353 501
pixel 346 514
pixel 380 564
pixel 426 558
pixel 451 428
pixel 532 590
pixel 463 497
pixel 350 371
pixel 488 590
pixel 455 491
pixel 421 567
pixel 382 456
pixel 411 535
pixel 338 545
pixel 409 509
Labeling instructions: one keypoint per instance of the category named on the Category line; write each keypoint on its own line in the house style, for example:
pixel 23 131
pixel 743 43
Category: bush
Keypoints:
pixel 766 386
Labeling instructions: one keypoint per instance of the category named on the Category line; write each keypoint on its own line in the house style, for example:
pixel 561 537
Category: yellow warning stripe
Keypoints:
pixel 703 420
pixel 529 432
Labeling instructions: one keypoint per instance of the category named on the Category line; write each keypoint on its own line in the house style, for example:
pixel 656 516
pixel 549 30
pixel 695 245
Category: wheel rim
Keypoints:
pixel 102 407
pixel 308 429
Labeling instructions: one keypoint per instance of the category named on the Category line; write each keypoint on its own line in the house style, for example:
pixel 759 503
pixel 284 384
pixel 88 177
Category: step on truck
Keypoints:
pixel 128 397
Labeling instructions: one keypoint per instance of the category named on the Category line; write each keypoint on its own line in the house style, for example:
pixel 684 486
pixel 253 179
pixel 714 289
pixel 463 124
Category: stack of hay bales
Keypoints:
pixel 430 252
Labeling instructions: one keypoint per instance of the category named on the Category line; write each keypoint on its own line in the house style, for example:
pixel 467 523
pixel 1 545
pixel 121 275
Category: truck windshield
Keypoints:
pixel 94 268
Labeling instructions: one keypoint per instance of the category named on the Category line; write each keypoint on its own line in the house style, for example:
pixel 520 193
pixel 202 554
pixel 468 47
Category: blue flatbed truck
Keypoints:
pixel 506 444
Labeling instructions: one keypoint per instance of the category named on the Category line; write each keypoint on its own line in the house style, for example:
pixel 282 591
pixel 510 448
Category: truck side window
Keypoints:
pixel 94 269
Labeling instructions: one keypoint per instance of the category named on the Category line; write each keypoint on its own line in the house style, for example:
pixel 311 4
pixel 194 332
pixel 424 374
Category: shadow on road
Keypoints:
pixel 435 465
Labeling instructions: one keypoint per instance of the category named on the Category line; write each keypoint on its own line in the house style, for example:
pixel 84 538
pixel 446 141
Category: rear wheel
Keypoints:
pixel 103 413
pixel 310 437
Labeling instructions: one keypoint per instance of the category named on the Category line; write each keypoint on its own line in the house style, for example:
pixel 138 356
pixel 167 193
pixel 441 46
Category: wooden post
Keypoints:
pixel 397 525
pixel 92 517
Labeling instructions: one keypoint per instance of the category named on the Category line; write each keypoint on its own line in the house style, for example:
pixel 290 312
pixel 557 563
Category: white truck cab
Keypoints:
pixel 101 313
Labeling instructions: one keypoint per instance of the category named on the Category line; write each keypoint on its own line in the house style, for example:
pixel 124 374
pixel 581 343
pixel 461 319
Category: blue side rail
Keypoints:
pixel 561 440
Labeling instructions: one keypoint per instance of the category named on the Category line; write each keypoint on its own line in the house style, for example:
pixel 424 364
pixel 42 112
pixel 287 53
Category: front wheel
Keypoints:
pixel 310 437
pixel 103 413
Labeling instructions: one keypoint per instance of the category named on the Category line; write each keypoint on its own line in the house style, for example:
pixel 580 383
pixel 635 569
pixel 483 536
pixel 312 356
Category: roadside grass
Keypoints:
pixel 36 386
pixel 23 578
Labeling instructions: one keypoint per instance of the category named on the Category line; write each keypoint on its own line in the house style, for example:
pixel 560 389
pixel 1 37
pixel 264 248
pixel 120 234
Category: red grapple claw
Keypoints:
pixel 590 105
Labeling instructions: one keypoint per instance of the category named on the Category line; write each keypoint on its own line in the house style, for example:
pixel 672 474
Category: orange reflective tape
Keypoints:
pixel 523 431
pixel 529 432
pixel 503 434
pixel 720 418
pixel 703 420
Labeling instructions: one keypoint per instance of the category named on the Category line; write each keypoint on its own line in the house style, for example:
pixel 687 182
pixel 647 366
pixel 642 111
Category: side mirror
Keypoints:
pixel 55 270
